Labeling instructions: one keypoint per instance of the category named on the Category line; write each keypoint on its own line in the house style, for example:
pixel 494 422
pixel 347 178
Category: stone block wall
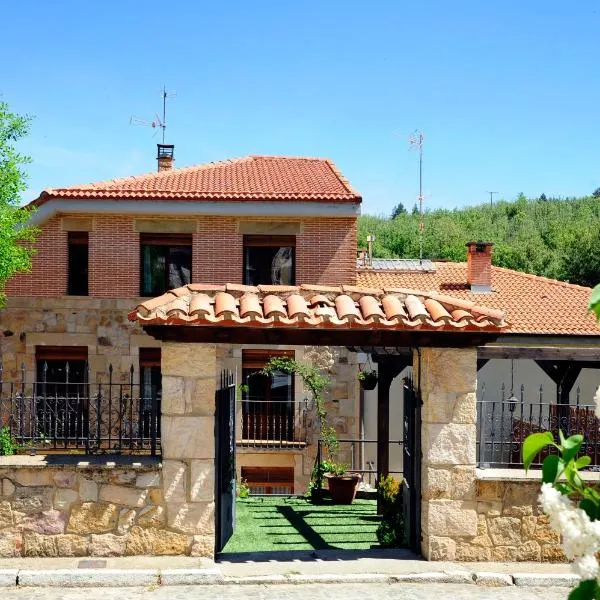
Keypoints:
pixel 83 509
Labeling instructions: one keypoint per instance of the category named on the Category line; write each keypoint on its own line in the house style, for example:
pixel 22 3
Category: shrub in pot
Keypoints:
pixel 341 484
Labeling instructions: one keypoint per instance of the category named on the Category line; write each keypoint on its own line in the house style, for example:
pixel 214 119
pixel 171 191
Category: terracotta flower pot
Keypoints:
pixel 342 487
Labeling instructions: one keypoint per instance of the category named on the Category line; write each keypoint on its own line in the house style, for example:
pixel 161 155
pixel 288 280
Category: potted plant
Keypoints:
pixel 368 379
pixel 342 485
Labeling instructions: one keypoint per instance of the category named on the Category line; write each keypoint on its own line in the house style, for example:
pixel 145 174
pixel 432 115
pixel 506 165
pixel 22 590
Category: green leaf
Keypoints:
pixel 582 462
pixel 590 508
pixel 586 590
pixel 594 304
pixel 552 467
pixel 533 444
pixel 571 447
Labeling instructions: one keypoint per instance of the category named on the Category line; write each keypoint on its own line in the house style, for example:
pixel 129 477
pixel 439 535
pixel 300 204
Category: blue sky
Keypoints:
pixel 507 93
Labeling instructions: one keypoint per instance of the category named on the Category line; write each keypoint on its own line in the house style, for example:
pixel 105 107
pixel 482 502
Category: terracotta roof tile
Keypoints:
pixel 531 304
pixel 271 178
pixel 285 306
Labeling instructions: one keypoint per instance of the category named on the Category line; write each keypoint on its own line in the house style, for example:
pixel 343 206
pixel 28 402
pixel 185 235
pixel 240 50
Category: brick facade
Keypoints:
pixel 325 254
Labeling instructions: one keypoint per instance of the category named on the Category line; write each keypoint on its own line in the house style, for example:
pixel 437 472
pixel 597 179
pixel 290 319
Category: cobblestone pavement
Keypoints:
pixel 292 592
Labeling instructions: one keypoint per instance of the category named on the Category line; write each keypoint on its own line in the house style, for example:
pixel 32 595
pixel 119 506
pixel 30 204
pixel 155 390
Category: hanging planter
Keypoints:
pixel 368 379
pixel 368 376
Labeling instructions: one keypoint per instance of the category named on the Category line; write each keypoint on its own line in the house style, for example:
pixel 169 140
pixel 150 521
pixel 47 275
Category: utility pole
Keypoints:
pixel 416 143
pixel 492 197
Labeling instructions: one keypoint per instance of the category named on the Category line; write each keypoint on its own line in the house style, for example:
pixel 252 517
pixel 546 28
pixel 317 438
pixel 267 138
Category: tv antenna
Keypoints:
pixel 492 197
pixel 415 142
pixel 158 122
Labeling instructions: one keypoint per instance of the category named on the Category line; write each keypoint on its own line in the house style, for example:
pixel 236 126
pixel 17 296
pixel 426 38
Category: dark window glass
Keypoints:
pixel 269 260
pixel 166 263
pixel 78 263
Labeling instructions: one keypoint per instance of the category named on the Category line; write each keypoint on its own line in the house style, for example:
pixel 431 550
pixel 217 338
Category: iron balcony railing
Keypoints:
pixel 80 416
pixel 271 423
pixel 506 418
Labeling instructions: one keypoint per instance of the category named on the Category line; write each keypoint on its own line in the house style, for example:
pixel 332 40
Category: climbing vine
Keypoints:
pixel 316 382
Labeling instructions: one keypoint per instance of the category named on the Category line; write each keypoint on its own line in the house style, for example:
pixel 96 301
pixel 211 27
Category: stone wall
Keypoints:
pixel 85 509
pixel 101 325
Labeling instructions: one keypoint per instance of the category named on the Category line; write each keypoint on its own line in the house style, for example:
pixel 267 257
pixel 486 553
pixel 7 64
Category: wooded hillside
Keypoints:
pixel 551 237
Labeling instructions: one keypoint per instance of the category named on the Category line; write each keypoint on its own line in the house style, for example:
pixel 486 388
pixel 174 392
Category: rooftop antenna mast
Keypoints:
pixel 416 143
pixel 158 121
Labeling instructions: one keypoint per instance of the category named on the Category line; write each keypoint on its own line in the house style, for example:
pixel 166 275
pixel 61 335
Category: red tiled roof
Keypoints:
pixel 306 306
pixel 532 304
pixel 252 178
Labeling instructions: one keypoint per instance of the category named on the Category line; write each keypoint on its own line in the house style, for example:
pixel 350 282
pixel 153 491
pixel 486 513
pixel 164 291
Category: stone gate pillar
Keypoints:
pixel 189 373
pixel 448 384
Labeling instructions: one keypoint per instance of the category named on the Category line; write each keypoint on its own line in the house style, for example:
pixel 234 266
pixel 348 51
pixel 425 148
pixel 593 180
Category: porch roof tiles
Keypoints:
pixel 324 307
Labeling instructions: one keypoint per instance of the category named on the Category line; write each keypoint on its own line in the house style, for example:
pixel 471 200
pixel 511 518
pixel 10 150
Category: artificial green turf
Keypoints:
pixel 264 524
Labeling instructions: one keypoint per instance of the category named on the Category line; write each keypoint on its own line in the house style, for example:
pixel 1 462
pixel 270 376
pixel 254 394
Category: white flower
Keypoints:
pixel 587 566
pixel 579 534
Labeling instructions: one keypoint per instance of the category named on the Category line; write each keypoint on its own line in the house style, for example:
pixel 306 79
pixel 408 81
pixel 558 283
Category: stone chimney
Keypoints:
pixel 165 156
pixel 479 267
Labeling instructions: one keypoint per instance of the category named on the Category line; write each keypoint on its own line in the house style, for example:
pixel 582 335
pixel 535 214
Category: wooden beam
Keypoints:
pixel 319 337
pixel 586 354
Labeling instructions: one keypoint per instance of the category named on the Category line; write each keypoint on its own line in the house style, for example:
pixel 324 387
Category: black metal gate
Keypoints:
pixel 412 465
pixel 224 461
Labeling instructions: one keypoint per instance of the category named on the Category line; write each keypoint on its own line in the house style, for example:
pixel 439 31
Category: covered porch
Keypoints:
pixel 438 334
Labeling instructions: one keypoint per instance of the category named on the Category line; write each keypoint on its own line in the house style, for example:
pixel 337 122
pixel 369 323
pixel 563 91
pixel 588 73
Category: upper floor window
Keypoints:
pixel 269 259
pixel 77 279
pixel 166 262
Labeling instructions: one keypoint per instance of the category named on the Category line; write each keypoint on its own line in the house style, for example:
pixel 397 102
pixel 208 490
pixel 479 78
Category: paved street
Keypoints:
pixel 293 592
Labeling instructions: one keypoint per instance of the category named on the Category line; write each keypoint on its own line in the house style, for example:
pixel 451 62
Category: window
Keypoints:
pixel 267 401
pixel 166 262
pixel 269 480
pixel 269 259
pixel 77 284
pixel 151 389
pixel 61 392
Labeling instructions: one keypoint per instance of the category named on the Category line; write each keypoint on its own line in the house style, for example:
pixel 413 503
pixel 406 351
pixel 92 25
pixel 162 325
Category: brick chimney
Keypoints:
pixel 165 156
pixel 479 267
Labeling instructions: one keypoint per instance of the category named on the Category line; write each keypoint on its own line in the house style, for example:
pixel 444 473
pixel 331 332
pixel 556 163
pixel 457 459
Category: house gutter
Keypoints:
pixel 195 209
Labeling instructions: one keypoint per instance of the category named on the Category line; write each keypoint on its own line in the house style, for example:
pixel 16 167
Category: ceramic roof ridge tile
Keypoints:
pixel 288 306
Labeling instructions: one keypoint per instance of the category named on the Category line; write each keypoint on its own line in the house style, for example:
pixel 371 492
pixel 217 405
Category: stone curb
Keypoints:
pixel 8 577
pixel 545 579
pixel 87 577
pixel 169 577
pixel 492 579
pixel 190 576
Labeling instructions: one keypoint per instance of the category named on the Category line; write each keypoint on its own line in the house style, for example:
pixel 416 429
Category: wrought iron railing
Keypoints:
pixel 81 416
pixel 504 421
pixel 271 423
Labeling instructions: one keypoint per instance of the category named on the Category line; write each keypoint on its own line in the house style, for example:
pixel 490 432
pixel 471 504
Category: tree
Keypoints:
pixel 581 257
pixel 543 198
pixel 596 193
pixel 16 236
pixel 415 209
pixel 398 210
